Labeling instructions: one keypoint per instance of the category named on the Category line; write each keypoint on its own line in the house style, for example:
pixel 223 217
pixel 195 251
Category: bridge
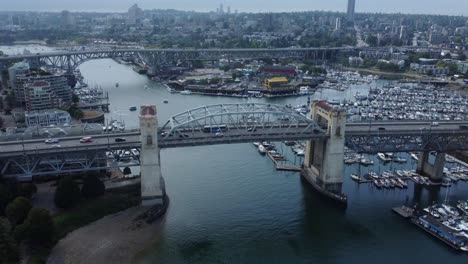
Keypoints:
pixel 154 58
pixel 325 131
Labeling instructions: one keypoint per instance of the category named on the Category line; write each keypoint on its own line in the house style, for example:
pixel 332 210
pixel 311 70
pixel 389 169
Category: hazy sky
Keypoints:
pixel 452 7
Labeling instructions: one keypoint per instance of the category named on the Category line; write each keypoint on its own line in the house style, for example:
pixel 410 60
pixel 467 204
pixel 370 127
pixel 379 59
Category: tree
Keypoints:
pixel 18 210
pixel 92 187
pixel 27 190
pixel 75 98
pixel 8 247
pixel 38 226
pixel 5 198
pixel 462 56
pixel 67 193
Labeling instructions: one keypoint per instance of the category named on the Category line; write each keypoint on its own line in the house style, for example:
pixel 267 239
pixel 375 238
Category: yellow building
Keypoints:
pixel 275 82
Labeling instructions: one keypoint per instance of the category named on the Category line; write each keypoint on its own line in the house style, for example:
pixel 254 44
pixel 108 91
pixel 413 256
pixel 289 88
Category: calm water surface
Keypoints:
pixel 229 205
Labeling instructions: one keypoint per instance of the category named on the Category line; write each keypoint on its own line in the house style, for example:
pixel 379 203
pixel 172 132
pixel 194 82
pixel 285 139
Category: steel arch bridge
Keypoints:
pixel 236 123
pixel 161 57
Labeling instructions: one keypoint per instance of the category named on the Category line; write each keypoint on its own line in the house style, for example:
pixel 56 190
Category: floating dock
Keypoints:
pixel 404 211
pixel 283 167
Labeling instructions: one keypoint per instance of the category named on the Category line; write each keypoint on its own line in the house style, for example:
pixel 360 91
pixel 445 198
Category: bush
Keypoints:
pixel 8 247
pixel 92 187
pixel 18 210
pixel 38 226
pixel 67 193
pixel 5 198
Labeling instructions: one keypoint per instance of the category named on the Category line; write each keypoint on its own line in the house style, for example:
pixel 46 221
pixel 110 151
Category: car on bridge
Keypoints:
pixel 120 139
pixel 52 141
pixel 86 140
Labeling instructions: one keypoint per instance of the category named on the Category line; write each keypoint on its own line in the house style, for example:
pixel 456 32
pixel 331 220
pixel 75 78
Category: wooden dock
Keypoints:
pixel 283 167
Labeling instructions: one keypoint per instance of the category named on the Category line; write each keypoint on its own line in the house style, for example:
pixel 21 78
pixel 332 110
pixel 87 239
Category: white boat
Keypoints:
pixel 262 149
pixel 450 209
pixel 414 156
pixel 355 177
pixel 186 92
pixel 257 144
pixel 383 157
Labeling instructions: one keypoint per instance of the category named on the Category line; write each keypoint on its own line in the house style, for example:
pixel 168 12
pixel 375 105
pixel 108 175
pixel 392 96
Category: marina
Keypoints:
pixel 239 180
pixel 447 223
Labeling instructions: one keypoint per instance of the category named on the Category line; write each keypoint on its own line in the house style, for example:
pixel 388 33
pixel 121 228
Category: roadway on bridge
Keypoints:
pixel 196 138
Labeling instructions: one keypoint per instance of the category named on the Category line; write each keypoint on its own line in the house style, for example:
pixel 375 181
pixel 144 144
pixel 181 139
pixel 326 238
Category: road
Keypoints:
pixel 197 138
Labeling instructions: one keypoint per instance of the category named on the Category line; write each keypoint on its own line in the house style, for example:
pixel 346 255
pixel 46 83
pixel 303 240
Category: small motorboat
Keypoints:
pixel 132 108
pixel 165 101
pixel 355 177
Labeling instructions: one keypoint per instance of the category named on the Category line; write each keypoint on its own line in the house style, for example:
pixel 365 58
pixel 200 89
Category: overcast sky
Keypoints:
pixel 451 7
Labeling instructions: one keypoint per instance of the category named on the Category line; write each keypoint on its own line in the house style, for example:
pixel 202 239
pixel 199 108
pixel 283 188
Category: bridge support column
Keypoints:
pixel 434 171
pixel 323 164
pixel 152 182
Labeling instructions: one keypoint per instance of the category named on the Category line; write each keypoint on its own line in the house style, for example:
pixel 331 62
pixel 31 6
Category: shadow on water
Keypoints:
pixel 327 228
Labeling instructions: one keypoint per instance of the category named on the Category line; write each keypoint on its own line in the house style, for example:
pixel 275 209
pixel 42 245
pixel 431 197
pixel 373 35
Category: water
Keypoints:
pixel 229 204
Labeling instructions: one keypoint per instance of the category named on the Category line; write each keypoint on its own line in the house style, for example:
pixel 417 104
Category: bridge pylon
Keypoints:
pixel 323 164
pixel 434 171
pixel 152 182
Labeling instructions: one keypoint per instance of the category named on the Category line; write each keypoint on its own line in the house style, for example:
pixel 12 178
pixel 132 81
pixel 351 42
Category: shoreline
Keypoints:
pixel 116 238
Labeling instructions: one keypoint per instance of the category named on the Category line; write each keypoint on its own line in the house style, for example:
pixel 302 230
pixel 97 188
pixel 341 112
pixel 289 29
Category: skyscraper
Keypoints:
pixel 351 7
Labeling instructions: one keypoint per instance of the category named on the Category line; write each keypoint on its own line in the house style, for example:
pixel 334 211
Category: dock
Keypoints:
pixel 404 211
pixel 283 167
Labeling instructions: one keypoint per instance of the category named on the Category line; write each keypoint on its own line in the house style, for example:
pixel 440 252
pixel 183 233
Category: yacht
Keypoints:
pixel 186 92
pixel 450 209
pixel 355 177
pixel 366 161
pixel 383 157
pixel 463 206
pixel 262 149
pixel 414 156
pixel 256 144
pixel 402 183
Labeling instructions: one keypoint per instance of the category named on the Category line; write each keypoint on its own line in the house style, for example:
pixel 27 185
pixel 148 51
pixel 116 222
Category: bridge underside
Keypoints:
pixel 25 167
pixel 431 141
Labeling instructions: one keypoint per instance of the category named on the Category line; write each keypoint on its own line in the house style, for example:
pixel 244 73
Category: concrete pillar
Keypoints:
pixel 434 171
pixel 152 182
pixel 323 163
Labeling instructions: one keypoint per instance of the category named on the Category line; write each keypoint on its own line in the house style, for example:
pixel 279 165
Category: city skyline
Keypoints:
pixel 448 7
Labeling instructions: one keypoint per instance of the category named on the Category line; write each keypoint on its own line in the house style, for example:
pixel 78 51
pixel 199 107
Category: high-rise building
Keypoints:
pixel 351 7
pixel 134 15
pixel 338 23
pixel 40 96
pixel 221 9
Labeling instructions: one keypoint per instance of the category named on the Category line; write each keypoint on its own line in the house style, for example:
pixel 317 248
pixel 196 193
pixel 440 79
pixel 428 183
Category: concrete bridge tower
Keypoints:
pixel 435 170
pixel 323 164
pixel 152 182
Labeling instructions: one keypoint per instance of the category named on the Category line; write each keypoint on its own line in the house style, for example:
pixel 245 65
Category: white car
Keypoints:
pixel 52 141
